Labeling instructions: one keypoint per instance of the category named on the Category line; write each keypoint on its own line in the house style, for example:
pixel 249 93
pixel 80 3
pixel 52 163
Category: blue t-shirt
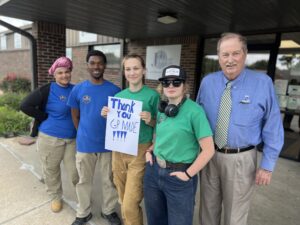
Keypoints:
pixel 89 99
pixel 59 122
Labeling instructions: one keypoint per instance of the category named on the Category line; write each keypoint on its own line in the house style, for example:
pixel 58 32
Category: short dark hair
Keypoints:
pixel 96 53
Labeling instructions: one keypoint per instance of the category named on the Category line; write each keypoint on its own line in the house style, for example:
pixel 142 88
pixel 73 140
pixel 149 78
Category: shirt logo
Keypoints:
pixel 62 98
pixel 246 100
pixel 86 99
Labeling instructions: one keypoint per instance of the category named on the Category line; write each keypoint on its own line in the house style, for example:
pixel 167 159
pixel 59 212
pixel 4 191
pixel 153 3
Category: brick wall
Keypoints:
pixel 17 62
pixel 79 72
pixel 51 44
pixel 187 60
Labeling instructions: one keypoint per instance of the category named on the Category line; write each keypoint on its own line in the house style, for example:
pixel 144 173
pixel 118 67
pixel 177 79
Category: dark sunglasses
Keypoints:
pixel 175 83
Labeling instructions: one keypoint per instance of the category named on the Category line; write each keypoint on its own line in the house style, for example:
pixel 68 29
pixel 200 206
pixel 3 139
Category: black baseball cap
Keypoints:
pixel 173 72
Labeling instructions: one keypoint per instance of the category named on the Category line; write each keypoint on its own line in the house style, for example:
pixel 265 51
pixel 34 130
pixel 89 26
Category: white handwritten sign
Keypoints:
pixel 123 125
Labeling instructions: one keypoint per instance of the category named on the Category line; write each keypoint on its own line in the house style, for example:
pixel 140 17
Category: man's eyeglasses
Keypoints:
pixel 175 83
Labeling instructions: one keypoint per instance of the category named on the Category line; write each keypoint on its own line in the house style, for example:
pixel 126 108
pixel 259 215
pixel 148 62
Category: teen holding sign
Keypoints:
pixel 128 170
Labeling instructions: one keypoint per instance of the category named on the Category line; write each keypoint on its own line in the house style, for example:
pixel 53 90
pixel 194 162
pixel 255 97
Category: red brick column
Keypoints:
pixel 51 44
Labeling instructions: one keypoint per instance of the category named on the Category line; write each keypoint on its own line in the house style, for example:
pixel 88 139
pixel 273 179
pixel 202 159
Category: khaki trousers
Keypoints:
pixel 52 151
pixel 227 179
pixel 86 163
pixel 128 173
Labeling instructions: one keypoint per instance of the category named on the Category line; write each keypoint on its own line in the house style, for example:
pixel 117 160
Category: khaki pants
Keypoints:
pixel 86 163
pixel 128 173
pixel 227 179
pixel 52 151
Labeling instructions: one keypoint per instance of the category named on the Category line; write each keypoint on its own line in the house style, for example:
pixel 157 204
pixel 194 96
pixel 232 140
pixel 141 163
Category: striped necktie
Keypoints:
pixel 221 132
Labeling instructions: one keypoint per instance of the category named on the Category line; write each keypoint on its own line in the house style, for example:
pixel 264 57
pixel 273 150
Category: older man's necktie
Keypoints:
pixel 221 132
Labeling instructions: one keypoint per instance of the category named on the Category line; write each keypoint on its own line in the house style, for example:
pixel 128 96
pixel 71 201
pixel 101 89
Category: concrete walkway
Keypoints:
pixel 25 202
pixel 22 195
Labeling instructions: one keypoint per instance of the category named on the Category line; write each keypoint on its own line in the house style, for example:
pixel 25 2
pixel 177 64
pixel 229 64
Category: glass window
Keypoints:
pixel 113 54
pixel 288 59
pixel 85 37
pixel 3 42
pixel 17 40
pixel 287 85
pixel 258 61
pixel 210 64
pixel 69 53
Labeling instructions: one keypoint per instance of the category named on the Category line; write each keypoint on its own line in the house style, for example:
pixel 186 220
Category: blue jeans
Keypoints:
pixel 168 200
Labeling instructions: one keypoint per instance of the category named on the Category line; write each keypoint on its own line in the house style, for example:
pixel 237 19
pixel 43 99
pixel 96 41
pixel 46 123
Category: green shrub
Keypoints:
pixel 13 122
pixel 12 83
pixel 12 100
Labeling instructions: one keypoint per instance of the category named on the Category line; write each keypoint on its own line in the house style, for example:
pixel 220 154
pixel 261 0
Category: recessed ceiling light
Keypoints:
pixel 167 19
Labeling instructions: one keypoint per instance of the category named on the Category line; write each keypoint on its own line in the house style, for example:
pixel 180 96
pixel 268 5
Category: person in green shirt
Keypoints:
pixel 183 146
pixel 128 170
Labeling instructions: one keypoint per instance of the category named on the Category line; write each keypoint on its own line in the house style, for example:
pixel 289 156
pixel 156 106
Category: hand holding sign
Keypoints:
pixel 104 111
pixel 123 125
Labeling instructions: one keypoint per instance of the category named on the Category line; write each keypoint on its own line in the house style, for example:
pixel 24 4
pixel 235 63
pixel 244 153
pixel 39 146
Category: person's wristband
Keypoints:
pixel 187 174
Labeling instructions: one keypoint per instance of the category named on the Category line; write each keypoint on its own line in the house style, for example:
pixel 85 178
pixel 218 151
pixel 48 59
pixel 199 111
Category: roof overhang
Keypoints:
pixel 138 19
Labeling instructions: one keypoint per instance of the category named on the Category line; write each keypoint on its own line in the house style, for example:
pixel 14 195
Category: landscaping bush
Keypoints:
pixel 12 122
pixel 12 83
pixel 12 100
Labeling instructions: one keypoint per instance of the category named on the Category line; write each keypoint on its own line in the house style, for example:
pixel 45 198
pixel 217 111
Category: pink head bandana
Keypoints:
pixel 61 62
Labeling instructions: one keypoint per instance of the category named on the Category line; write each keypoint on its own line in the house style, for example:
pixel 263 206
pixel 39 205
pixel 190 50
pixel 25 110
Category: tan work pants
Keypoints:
pixel 52 151
pixel 86 163
pixel 128 174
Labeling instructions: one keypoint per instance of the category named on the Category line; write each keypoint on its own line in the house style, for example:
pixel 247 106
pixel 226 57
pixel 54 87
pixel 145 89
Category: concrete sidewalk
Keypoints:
pixel 22 195
pixel 25 201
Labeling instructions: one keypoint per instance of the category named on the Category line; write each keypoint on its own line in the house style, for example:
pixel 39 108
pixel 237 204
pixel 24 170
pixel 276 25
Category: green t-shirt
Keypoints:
pixel 177 137
pixel 150 99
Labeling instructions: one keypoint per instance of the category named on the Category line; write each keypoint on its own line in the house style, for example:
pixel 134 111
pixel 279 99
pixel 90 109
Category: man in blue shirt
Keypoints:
pixel 86 100
pixel 254 117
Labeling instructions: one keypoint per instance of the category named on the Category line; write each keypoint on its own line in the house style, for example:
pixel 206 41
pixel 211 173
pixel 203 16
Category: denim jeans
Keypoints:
pixel 168 200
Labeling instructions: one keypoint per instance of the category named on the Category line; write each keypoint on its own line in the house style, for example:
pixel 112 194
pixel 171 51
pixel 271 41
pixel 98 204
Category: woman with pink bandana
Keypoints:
pixel 54 127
